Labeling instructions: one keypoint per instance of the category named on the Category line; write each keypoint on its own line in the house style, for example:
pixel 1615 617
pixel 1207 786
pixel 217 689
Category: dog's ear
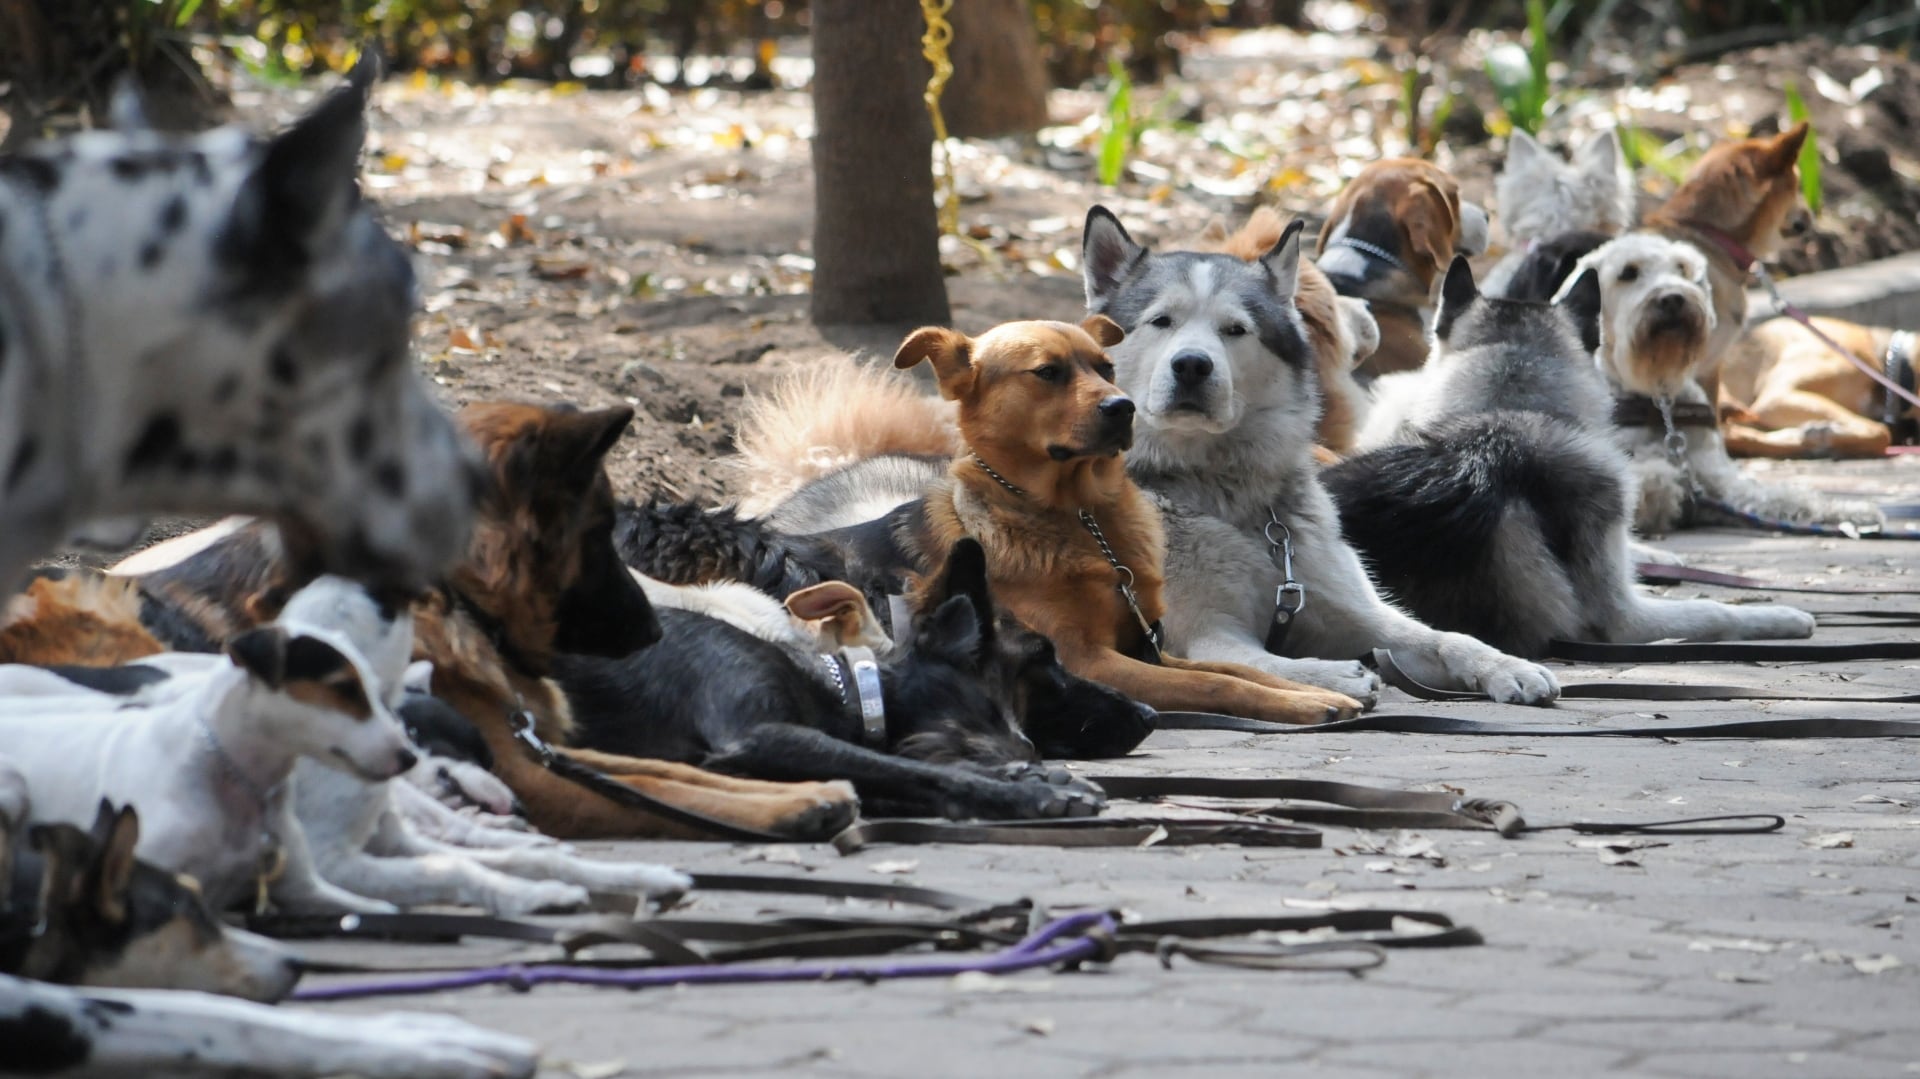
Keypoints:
pixel 1600 156
pixel 1431 224
pixel 1783 151
pixel 950 352
pixel 297 197
pixel 965 574
pixel 828 599
pixel 1103 330
pixel 262 653
pixel 1580 298
pixel 952 633
pixel 117 832
pixel 1361 326
pixel 1523 152
pixel 1457 293
pixel 418 677
pixel 1107 256
pixel 574 443
pixel 1282 261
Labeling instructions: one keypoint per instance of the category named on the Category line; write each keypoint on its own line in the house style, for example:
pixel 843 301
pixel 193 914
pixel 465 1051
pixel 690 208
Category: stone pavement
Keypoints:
pixel 1786 955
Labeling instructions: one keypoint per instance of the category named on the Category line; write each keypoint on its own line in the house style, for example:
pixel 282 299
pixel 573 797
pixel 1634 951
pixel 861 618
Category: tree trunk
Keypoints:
pixel 875 236
pixel 999 84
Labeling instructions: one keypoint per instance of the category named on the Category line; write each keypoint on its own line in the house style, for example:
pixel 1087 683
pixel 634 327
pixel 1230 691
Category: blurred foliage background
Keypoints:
pixel 59 57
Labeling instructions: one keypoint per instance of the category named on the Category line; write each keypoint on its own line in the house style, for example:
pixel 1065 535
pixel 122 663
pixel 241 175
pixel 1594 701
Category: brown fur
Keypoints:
pixel 802 430
pixel 1424 202
pixel 1334 349
pixel 1784 393
pixel 1747 191
pixel 1044 567
pixel 82 620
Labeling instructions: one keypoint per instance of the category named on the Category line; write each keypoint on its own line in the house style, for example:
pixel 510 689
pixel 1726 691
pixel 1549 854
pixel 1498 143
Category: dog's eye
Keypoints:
pixel 1234 329
pixel 1104 370
pixel 1629 272
pixel 1160 322
pixel 1049 373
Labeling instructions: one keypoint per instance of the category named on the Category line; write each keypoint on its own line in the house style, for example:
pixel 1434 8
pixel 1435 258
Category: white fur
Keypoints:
pixel 747 608
pixel 168 1034
pixel 1540 196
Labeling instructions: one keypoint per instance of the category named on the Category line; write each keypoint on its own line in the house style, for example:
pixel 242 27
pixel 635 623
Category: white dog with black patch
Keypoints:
pixel 1656 322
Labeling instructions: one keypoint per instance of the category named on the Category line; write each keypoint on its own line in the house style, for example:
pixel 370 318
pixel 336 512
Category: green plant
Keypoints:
pixel 1810 187
pixel 1519 75
pixel 1643 149
pixel 1119 132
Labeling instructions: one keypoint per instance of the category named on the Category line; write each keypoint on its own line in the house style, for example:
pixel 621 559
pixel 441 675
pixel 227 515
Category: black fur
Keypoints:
pixel 1425 516
pixel 118 681
pixel 952 745
pixel 1548 265
pixel 678 542
pixel 437 728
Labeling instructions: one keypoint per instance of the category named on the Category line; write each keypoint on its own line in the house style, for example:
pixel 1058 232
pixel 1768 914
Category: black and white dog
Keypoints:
pixel 1217 362
pixel 213 323
pixel 1502 504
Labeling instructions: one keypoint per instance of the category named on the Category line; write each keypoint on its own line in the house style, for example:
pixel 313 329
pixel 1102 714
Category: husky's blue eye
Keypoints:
pixel 1160 322
pixel 1234 329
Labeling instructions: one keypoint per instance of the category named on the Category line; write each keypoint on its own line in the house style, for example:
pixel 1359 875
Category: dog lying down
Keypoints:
pixel 64 1033
pixel 77 908
pixel 1501 505
pixel 384 843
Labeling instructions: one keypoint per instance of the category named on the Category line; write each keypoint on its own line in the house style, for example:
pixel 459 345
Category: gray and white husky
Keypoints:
pixel 1502 504
pixel 1217 361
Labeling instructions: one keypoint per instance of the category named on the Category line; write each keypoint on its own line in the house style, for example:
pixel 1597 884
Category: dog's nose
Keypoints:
pixel 407 759
pixel 1672 303
pixel 1192 368
pixel 1117 408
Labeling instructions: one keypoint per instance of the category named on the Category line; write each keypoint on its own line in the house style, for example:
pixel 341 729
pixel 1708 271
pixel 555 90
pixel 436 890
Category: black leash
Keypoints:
pixel 1771 728
pixel 1731 651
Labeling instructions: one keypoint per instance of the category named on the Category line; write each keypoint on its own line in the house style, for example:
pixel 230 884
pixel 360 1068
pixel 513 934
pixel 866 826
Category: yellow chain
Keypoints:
pixel 934 44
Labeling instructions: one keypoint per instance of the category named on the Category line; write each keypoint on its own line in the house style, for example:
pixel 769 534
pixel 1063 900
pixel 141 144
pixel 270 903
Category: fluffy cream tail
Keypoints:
pixel 830 417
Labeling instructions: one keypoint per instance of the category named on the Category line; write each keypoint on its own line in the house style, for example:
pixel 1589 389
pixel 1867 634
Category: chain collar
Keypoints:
pixel 1154 635
pixel 1372 251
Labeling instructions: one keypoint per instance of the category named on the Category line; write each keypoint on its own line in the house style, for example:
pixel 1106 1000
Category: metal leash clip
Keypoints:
pixel 1291 597
pixel 522 722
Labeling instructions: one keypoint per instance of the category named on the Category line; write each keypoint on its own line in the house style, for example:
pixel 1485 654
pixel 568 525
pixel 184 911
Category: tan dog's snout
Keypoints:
pixel 1798 223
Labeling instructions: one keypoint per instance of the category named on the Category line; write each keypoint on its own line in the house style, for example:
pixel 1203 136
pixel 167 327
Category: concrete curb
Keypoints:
pixel 1882 293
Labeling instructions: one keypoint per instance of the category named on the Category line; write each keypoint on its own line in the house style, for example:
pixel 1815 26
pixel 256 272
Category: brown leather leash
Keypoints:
pixel 1120 831
pixel 1658 573
pixel 1391 672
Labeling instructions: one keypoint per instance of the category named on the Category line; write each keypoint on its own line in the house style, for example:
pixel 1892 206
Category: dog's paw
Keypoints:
pixel 1349 678
pixel 412 1045
pixel 1520 682
pixel 1776 623
pixel 1659 556
pixel 831 806
pixel 1037 792
pixel 540 897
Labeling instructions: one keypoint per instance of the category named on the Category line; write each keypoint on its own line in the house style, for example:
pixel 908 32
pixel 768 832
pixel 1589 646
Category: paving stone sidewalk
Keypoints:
pixel 1785 955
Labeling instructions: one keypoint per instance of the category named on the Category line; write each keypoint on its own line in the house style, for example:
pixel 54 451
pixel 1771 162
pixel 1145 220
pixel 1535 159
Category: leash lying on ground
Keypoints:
pixel 679 951
pixel 1778 727
pixel 1658 573
pixel 1399 679
pixel 1731 651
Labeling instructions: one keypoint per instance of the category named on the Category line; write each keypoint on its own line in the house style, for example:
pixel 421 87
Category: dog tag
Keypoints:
pixel 273 862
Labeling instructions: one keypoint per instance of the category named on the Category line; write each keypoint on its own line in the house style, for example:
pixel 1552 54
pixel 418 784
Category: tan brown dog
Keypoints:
pixel 1341 330
pixel 1044 489
pixel 1784 393
pixel 1389 239
pixel 1736 206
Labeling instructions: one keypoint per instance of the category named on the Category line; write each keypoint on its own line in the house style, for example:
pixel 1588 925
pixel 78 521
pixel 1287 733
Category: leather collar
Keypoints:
pixel 856 668
pixel 1636 411
pixel 1899 368
pixel 1727 245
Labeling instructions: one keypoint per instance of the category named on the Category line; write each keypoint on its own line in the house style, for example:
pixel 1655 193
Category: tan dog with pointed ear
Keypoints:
pixel 1389 239
pixel 1741 200
pixel 1044 489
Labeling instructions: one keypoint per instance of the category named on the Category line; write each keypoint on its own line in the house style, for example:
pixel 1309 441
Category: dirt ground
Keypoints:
pixel 653 248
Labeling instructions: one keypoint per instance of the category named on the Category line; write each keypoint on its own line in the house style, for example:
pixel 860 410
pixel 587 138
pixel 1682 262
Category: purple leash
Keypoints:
pixel 1073 938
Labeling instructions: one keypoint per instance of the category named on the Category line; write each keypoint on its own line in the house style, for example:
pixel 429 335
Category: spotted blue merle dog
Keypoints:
pixel 216 323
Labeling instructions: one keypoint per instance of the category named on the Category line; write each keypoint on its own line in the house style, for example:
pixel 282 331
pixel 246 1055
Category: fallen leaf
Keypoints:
pixel 904 865
pixel 1876 964
pixel 1042 1026
pixel 979 981
pixel 1829 841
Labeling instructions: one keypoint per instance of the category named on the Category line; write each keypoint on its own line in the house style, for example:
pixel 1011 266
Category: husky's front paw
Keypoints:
pixel 1776 623
pixel 1520 682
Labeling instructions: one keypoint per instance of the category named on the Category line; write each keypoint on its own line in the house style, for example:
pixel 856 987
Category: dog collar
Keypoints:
pixel 1730 247
pixel 867 697
pixel 1899 368
pixel 1373 251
